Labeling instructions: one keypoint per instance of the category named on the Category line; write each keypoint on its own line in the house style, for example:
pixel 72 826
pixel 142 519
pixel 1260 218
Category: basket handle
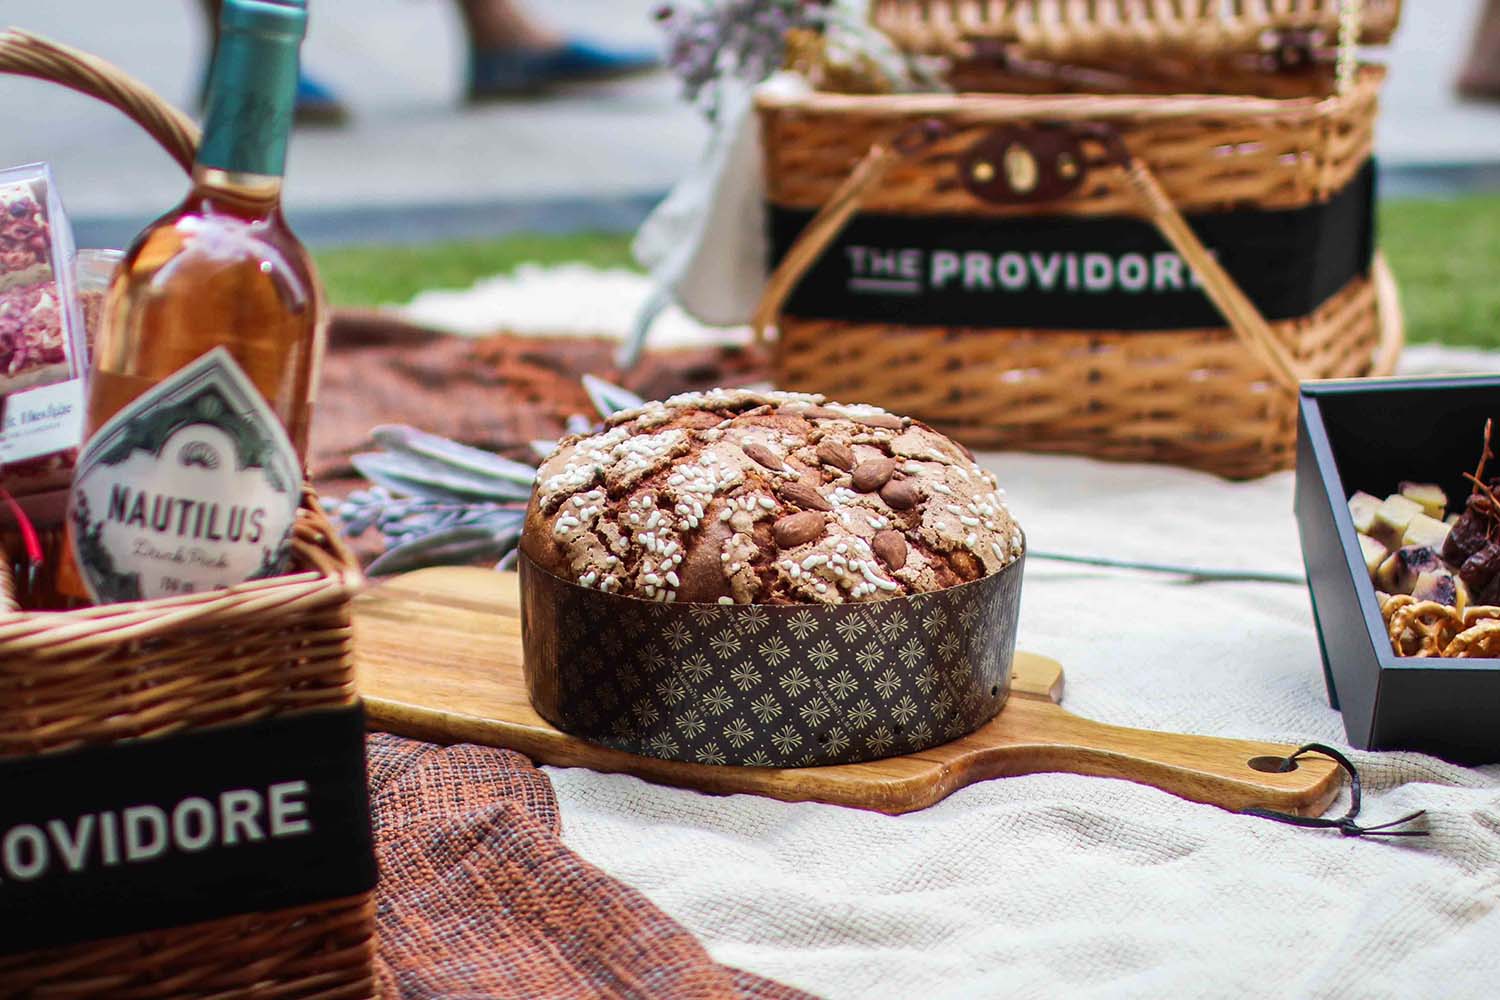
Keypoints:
pixel 1225 293
pixel 25 54
pixel 834 215
pixel 1237 309
pixel 1388 310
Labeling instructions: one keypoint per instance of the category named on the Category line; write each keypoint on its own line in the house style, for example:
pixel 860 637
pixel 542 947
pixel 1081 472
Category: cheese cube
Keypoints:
pixel 1373 552
pixel 1391 519
pixel 1424 530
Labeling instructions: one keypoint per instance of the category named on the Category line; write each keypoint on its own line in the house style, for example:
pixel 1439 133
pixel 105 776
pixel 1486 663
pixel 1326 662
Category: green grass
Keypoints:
pixel 377 275
pixel 1446 255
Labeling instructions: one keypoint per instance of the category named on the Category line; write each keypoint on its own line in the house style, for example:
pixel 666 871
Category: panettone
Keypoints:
pixel 742 497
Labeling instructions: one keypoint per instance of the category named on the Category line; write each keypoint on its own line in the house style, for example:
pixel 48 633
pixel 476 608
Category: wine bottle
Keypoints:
pixel 208 356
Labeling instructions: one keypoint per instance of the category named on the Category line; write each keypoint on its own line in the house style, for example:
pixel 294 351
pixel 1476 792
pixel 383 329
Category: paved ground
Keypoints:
pixel 416 164
pixel 400 63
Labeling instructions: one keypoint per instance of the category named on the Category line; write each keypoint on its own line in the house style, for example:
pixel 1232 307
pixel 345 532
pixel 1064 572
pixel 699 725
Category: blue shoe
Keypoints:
pixel 520 72
pixel 317 104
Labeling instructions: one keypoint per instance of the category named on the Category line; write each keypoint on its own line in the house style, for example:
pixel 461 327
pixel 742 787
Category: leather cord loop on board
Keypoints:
pixel 1344 824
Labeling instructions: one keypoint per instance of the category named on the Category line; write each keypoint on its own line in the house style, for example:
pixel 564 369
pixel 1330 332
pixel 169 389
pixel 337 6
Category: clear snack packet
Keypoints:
pixel 95 270
pixel 43 351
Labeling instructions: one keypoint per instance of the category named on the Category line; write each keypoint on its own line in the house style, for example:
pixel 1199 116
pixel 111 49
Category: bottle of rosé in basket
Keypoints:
pixel 208 355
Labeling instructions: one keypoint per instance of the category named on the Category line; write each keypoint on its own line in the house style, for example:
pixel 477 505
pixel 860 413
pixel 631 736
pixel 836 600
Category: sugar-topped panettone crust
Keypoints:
pixel 735 496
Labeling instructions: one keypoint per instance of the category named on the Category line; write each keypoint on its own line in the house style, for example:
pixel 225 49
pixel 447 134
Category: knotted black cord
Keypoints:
pixel 1344 824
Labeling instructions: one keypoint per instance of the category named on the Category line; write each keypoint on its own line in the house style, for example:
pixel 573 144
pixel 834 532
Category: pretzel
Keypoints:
pixel 1420 628
pixel 1480 640
pixel 1480 612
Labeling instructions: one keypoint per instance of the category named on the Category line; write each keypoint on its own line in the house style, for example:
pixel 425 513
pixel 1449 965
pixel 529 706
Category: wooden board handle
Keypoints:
pixel 1210 769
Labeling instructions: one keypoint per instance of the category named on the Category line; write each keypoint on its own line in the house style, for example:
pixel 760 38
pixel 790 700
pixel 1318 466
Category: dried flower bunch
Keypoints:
pixel 717 42
pixel 742 40
pixel 831 67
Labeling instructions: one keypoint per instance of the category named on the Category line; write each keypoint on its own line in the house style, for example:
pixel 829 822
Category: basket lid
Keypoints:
pixel 1087 30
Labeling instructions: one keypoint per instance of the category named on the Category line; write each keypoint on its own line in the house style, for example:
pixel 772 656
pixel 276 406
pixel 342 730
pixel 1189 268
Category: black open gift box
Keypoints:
pixel 1370 435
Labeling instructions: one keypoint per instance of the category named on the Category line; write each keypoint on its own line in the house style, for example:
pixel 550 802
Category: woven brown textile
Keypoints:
pixel 496 392
pixel 479 897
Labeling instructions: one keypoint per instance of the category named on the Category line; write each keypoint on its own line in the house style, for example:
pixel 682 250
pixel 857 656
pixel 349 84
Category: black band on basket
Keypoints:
pixel 1077 272
pixel 1344 824
pixel 163 832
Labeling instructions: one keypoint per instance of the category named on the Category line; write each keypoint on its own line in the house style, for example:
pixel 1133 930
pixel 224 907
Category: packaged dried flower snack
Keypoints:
pixel 43 353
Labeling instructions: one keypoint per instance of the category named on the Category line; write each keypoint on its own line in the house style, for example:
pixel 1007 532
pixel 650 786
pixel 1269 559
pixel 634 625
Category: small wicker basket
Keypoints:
pixel 150 669
pixel 1222 399
pixel 1070 31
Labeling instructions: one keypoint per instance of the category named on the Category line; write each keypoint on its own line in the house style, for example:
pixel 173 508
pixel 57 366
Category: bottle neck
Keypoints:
pixel 252 91
pixel 256 193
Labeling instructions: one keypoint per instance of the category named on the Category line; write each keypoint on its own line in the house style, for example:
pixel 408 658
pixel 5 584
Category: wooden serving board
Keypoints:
pixel 439 659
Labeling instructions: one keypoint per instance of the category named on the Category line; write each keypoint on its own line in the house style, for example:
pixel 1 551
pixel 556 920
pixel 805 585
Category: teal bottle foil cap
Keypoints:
pixel 252 88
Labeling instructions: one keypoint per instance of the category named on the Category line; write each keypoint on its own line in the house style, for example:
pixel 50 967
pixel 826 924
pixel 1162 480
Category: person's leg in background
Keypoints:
pixel 1480 78
pixel 512 55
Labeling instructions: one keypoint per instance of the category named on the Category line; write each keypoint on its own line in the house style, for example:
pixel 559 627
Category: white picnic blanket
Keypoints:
pixel 1055 885
pixel 1065 886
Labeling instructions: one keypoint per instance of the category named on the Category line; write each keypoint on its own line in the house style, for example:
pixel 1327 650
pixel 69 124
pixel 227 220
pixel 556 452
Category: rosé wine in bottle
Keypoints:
pixel 208 354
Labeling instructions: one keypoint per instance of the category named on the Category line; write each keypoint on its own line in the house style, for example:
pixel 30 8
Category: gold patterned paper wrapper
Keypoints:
pixel 769 685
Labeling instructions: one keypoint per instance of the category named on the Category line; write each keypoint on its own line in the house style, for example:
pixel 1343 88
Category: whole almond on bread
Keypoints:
pixel 763 456
pixel 798 529
pixel 836 454
pixel 870 476
pixel 802 495
pixel 900 494
pixel 890 548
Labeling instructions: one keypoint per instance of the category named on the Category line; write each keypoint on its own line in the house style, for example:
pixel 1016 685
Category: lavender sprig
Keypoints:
pixel 422 532
pixel 436 502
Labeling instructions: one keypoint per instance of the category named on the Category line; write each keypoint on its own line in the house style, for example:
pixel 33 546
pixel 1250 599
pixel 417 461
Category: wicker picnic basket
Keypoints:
pixel 150 669
pixel 1104 30
pixel 1217 397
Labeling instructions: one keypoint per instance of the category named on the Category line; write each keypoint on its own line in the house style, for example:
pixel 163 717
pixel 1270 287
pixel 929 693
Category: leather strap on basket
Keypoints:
pixel 1351 12
pixel 1238 311
pixel 25 54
